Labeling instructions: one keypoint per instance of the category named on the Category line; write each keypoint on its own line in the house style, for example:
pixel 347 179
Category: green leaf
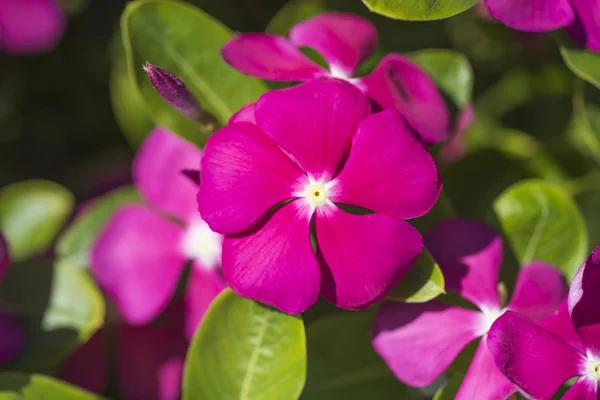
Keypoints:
pixel 423 282
pixel 187 42
pixel 342 364
pixel 60 306
pixel 16 386
pixel 244 350
pixel 589 204
pixel 31 215
pixel 74 244
pixel 450 389
pixel 419 10
pixel 542 223
pixel 294 12
pixel 450 70
pixel 585 64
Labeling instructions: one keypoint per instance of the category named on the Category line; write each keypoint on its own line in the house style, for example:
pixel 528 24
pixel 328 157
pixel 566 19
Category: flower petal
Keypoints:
pixel 399 83
pixel 157 173
pixel 204 284
pixel 532 15
pixel 269 57
pixel 534 359
pixel 314 122
pixel 388 170
pixel 275 263
pixel 588 12
pixel 539 291
pixel 30 26
pixel 559 324
pixel 243 175
pixel 456 147
pixel 13 338
pixel 151 358
pixel 419 341
pixel 583 389
pixel 363 257
pixel 469 255
pixel 584 299
pixel 88 366
pixel 244 114
pixel 137 260
pixel 344 40
pixel 483 379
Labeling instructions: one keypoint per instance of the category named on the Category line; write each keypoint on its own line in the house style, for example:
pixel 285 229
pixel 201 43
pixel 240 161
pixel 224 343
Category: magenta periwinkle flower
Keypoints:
pixel 139 256
pixel 540 358
pixel 312 148
pixel 344 41
pixel 549 15
pixel 419 341
pixel 30 26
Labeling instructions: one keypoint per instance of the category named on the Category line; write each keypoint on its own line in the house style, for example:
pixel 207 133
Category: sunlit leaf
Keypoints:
pixel 16 386
pixel 423 282
pixel 583 63
pixel 419 10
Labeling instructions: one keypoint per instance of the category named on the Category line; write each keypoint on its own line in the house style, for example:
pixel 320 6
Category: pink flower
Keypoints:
pixel 345 40
pixel 540 358
pixel 30 26
pixel 140 254
pixel 420 341
pixel 312 148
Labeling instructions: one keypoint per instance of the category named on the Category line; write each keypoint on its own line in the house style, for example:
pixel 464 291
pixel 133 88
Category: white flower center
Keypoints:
pixel 201 244
pixel 338 73
pixel 489 316
pixel 316 194
pixel 592 368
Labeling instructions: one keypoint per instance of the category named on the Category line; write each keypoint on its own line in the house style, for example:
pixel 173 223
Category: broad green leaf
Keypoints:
pixel 583 63
pixel 187 42
pixel 423 282
pixel 342 364
pixel 542 223
pixel 243 351
pixel 451 71
pixel 419 10
pixel 60 306
pixel 589 204
pixel 16 386
pixel 31 215
pixel 74 244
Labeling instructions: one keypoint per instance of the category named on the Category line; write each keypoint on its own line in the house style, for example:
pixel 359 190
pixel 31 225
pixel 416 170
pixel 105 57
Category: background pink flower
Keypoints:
pixel 313 147
pixel 420 341
pixel 140 254
pixel 345 40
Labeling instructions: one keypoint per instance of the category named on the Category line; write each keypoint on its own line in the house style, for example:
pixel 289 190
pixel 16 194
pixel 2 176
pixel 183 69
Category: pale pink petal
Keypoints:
pixel 559 324
pixel 30 26
pixel 363 257
pixel 456 147
pixel 533 358
pixel 13 338
pixel 270 57
pixel 204 284
pixel 4 257
pixel 275 264
pixel 584 302
pixel 399 83
pixel 419 341
pixel 469 255
pixel 150 358
pixel 539 291
pixel 483 379
pixel 88 366
pixel 244 114
pixel 388 170
pixel 314 122
pixel 532 15
pixel 137 260
pixel 588 12
pixel 344 40
pixel 243 175
pixel 157 173
pixel 583 389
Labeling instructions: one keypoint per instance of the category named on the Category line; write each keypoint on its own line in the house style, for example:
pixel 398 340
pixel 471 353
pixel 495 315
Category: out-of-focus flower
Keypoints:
pixel 149 359
pixel 314 147
pixel 30 27
pixel 140 254
pixel 11 330
pixel 456 147
pixel 582 16
pixel 345 40
pixel 420 341
pixel 540 358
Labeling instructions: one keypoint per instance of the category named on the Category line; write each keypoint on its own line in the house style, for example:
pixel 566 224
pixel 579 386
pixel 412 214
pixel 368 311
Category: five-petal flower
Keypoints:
pixel 420 341
pixel 345 40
